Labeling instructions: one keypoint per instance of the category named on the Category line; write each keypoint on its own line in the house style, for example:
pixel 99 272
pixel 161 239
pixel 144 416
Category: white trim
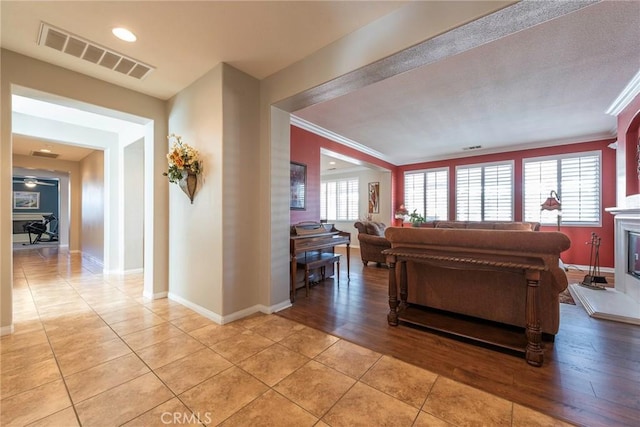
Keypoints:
pixel 133 271
pixel 6 330
pixel 585 268
pixel 303 124
pixel 626 96
pixel 197 308
pixel 158 295
pixel 277 307
pixel 607 304
pixel 258 308
pixel 511 148
pixel 222 320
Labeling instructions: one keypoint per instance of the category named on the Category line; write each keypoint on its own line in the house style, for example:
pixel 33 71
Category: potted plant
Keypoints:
pixel 416 219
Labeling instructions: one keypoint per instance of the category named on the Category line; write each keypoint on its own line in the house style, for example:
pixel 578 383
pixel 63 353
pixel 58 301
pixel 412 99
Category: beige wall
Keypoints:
pixel 212 241
pixel 195 230
pixel 416 22
pixel 198 117
pixel 93 202
pixel 16 69
pixel 133 206
pixel 240 207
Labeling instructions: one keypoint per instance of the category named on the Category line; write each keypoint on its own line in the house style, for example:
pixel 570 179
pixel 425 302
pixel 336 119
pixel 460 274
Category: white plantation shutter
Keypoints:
pixel 580 189
pixel 414 192
pixel 428 193
pixel 576 179
pixel 484 192
pixel 437 194
pixel 498 193
pixel 540 177
pixel 469 194
pixel 339 199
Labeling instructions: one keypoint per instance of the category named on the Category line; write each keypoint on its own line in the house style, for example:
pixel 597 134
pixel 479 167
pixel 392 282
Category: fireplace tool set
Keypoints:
pixel 593 280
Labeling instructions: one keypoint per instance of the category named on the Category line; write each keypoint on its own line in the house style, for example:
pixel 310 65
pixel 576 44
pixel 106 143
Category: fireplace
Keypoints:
pixel 621 303
pixel 633 254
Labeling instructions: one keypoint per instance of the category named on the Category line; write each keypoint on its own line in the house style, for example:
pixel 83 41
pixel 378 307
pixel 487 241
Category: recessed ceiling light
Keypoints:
pixel 332 163
pixel 124 34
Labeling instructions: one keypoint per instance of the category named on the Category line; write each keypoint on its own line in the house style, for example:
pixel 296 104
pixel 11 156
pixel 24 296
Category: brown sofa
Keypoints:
pixel 372 241
pixel 488 225
pixel 472 289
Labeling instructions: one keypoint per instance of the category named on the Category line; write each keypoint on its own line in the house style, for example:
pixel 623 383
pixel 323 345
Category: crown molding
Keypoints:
pixel 626 96
pixel 318 130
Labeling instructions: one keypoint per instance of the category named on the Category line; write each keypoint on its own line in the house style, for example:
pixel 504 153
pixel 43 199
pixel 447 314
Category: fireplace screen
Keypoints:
pixel 633 251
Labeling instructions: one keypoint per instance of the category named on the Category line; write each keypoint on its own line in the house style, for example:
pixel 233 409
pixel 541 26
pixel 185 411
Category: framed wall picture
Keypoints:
pixel 374 197
pixel 298 186
pixel 26 200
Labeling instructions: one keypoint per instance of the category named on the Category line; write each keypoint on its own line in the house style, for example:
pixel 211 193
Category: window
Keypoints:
pixel 576 180
pixel 339 199
pixel 428 193
pixel 484 192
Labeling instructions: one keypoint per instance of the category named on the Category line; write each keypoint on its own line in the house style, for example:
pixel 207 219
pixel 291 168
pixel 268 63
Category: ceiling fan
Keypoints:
pixel 32 182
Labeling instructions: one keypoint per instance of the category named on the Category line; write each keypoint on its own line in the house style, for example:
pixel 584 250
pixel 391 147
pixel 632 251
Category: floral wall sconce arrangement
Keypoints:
pixel 184 166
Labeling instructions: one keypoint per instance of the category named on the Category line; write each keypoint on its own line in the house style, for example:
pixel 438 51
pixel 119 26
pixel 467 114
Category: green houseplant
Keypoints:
pixel 416 219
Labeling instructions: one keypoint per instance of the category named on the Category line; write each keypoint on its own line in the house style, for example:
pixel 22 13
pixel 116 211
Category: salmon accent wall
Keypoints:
pixel 305 148
pixel 628 134
pixel 579 252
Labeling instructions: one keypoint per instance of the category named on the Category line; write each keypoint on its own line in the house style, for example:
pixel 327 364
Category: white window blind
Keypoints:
pixel 427 192
pixel 576 180
pixel 484 192
pixel 339 199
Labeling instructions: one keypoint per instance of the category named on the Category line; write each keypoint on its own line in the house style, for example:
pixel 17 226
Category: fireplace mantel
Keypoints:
pixel 624 211
pixel 621 303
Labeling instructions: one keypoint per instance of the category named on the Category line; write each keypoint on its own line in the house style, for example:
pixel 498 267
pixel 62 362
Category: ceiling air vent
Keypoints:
pixel 42 154
pixel 65 42
pixel 472 147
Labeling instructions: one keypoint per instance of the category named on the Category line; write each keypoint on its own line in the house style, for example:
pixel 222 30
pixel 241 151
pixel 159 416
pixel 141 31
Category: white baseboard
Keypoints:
pixel 197 308
pixel 277 307
pixel 123 272
pixel 585 268
pixel 6 330
pixel 157 295
pixel 222 320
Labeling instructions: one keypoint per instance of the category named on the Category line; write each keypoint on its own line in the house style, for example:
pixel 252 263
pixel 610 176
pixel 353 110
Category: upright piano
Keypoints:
pixel 312 236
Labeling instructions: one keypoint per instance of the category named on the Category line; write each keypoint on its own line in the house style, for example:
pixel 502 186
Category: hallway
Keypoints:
pixel 90 350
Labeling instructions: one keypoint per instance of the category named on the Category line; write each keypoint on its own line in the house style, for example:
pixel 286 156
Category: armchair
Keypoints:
pixel 372 241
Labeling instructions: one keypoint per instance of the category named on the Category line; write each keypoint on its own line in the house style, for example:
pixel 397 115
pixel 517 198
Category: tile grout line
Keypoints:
pixel 55 357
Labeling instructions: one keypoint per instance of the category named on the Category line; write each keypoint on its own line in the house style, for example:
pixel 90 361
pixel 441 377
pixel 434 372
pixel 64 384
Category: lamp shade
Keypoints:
pixel 552 203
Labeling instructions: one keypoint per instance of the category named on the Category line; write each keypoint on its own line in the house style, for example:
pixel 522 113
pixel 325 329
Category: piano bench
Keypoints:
pixel 318 260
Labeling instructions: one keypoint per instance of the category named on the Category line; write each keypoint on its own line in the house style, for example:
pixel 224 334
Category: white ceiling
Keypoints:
pixel 545 85
pixel 184 40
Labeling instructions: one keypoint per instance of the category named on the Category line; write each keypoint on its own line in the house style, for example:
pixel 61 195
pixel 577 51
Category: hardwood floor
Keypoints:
pixel 590 377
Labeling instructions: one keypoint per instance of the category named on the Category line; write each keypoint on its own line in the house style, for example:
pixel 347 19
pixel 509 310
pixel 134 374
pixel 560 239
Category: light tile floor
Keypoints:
pixel 89 350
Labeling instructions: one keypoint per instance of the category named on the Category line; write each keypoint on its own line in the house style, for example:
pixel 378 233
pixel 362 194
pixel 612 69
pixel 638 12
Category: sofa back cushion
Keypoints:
pixel 375 228
pixel 489 225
